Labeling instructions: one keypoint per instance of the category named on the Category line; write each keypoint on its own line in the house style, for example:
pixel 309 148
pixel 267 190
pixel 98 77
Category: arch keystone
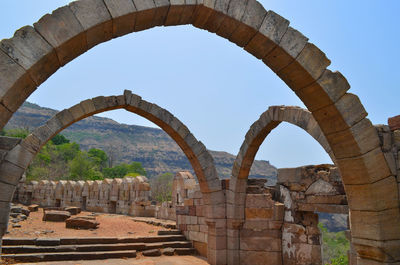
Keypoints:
pixel 123 14
pixel 145 14
pixel 163 7
pixel 95 19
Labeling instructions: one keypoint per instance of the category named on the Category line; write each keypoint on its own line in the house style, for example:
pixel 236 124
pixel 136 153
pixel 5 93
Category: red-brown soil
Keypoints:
pixel 111 225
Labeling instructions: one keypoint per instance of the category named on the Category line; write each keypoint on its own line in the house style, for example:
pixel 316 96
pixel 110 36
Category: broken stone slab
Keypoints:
pixel 16 209
pixel 152 253
pixel 168 251
pixel 33 208
pixel 73 210
pixel 81 223
pixel 56 216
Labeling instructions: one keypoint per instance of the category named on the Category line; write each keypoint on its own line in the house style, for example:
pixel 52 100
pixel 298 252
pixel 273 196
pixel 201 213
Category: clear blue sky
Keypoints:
pixel 218 89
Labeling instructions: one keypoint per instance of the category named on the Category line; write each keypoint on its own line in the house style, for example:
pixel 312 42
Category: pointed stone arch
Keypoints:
pixel 35 53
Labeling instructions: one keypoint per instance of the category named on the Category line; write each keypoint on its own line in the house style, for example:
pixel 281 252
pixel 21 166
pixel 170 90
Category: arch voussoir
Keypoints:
pixel 123 13
pixel 145 14
pixel 250 23
pixel 290 45
pixel 308 66
pixel 32 52
pixel 15 84
pixel 95 19
pixel 62 30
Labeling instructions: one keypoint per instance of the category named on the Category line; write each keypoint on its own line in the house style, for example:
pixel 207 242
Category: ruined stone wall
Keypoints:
pixel 190 210
pixel 126 196
pixel 260 234
pixel 305 191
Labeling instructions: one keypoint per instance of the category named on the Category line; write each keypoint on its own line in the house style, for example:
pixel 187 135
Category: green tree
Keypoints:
pixel 121 170
pixel 19 133
pixel 59 139
pixel 99 157
pixel 83 168
pixel 161 187
pixel 335 246
pixel 68 151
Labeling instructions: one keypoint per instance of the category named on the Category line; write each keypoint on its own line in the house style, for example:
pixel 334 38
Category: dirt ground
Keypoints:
pixel 111 225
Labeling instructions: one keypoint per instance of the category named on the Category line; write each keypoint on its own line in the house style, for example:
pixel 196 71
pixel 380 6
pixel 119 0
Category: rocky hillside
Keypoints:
pixel 157 152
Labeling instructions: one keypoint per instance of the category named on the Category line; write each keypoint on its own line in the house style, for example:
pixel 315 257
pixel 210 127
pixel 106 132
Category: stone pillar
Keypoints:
pixel 233 241
pixel 4 216
pixel 215 207
pixel 216 247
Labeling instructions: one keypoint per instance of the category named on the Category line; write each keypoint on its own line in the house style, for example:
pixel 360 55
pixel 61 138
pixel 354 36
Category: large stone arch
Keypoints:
pixel 35 53
pixel 259 130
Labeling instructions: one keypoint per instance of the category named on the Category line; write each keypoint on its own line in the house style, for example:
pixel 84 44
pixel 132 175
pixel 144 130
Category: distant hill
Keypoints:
pixel 157 152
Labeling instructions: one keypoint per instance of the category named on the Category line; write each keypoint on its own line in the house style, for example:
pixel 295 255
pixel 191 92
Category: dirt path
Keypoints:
pixel 111 225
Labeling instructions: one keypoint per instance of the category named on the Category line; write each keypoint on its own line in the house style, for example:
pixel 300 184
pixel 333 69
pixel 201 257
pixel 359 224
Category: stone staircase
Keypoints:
pixel 61 249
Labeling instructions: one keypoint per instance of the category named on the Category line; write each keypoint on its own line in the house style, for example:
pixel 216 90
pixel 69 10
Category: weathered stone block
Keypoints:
pixel 382 195
pixel 268 36
pixel 175 11
pixel 379 226
pixel 355 141
pixel 260 243
pixel 308 67
pixel 123 13
pixel 88 106
pixel 65 117
pixel 32 52
pixel 287 175
pixel 145 14
pixel 43 133
pixel 386 251
pixel 161 12
pixel 260 258
pixel 250 23
pixel 20 156
pixel 94 17
pixel 188 12
pixel 232 21
pixel 364 169
pixel 344 114
pixel 328 89
pixel 64 32
pixel 15 85
pixel 290 46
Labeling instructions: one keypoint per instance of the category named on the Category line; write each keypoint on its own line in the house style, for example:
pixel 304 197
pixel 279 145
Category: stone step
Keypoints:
pixel 24 249
pixel 38 257
pixel 185 251
pixel 88 240
pixel 169 232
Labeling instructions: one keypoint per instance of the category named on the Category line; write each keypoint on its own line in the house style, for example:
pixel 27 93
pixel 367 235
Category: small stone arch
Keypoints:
pixel 259 130
pixel 202 162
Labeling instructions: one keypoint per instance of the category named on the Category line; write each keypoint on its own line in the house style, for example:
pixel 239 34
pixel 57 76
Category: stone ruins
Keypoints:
pixel 122 196
pixel 365 155
pixel 280 221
